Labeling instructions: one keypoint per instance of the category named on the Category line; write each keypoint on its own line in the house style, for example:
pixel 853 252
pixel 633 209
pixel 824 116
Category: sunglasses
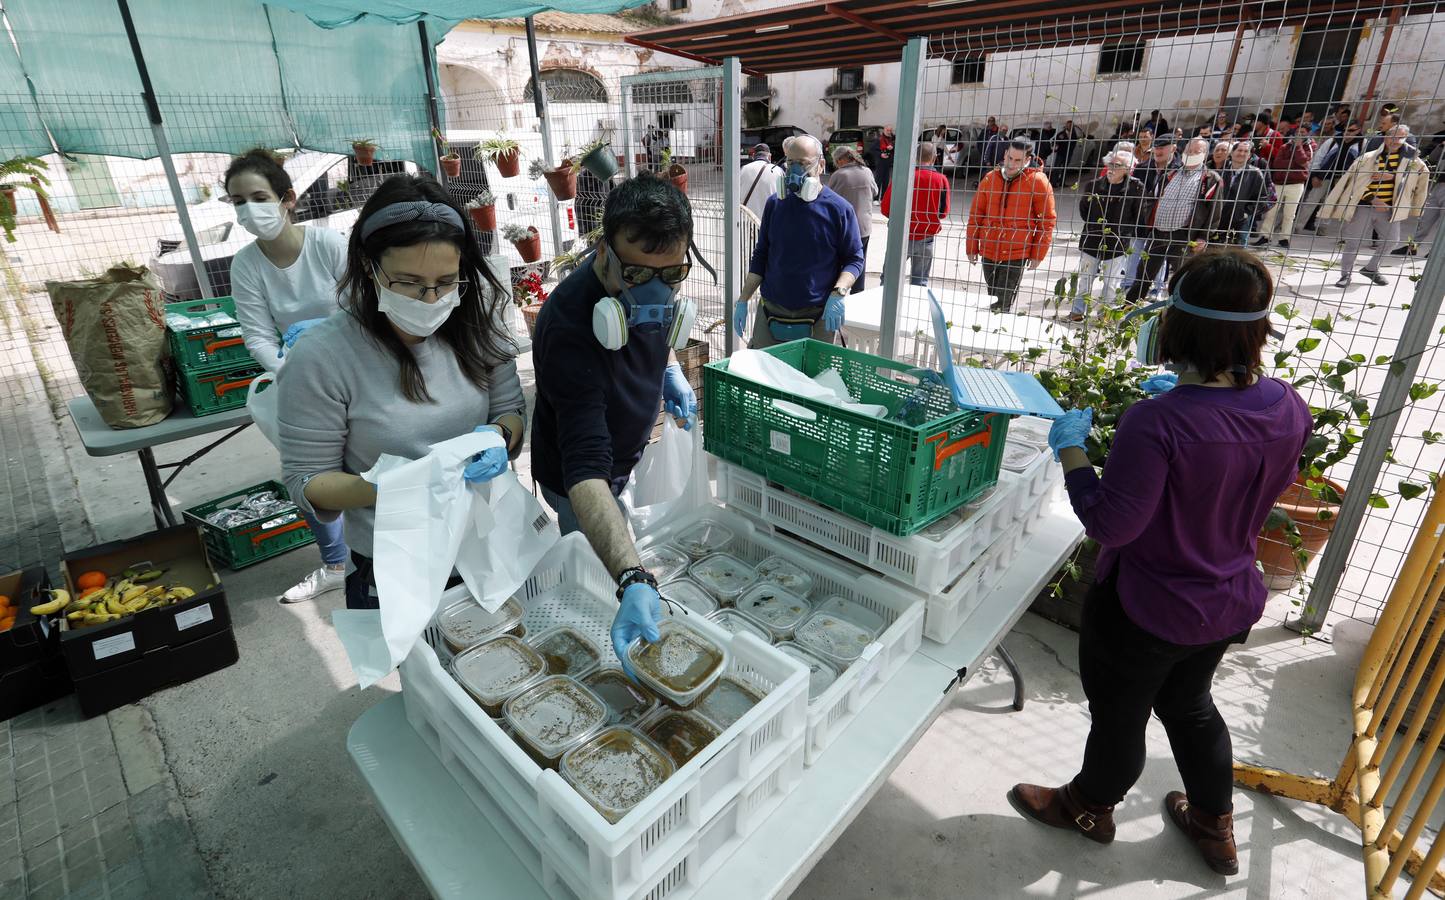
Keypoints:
pixel 638 275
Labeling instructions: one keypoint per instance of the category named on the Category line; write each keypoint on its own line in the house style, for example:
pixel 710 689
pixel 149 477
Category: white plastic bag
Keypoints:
pixel 662 482
pixel 429 521
pixel 262 405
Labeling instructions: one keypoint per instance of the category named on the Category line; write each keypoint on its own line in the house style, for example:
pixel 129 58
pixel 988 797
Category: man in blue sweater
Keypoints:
pixel 807 258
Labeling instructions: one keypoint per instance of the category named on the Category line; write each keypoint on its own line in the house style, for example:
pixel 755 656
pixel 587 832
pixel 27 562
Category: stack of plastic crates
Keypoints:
pixel 213 366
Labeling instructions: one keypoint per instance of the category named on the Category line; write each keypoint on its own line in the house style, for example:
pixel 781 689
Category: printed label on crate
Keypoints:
pixel 229 332
pixel 278 521
pixel 117 643
pixel 190 618
pixel 781 442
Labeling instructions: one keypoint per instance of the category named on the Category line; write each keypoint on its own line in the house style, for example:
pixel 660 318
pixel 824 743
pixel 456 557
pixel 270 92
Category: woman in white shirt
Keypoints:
pixel 286 278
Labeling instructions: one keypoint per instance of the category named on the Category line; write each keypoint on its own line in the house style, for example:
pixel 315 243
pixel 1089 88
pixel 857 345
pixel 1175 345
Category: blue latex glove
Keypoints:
pixel 637 616
pixel 486 465
pixel 288 340
pixel 678 398
pixel 833 312
pixel 740 318
pixel 1070 430
pixel 1165 381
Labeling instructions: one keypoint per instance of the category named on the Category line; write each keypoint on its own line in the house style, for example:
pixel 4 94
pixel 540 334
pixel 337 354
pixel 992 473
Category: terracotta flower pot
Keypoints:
pixel 531 248
pixel 451 165
pixel 562 181
pixel 1273 550
pixel 365 156
pixel 678 176
pixel 529 315
pixel 509 164
pixel 484 217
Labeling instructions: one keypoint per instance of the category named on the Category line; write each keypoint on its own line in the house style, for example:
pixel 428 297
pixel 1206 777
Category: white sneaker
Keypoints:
pixel 315 584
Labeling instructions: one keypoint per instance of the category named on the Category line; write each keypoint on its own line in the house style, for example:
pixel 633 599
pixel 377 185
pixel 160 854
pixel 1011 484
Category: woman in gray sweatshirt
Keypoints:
pixel 414 357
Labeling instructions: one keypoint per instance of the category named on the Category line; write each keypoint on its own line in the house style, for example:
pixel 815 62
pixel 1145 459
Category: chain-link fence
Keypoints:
pixel 1337 81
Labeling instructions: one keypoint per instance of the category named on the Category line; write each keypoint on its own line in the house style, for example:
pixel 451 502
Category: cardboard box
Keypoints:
pixel 181 552
pixel 33 684
pixel 31 638
pixel 160 668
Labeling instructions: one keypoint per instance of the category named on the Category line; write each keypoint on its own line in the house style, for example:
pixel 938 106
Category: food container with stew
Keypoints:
pixel 626 701
pixel 821 673
pixel 553 716
pixel 854 612
pixel 727 702
pixel 723 576
pixel 681 665
pixel 776 609
pixel 704 539
pixel 834 638
pixel 567 651
pixel 494 670
pixel 737 623
pixel 682 735
pixel 615 770
pixel 687 593
pixel 465 624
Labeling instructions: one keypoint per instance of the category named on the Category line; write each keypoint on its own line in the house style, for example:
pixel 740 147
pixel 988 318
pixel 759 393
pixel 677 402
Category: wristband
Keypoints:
pixel 632 576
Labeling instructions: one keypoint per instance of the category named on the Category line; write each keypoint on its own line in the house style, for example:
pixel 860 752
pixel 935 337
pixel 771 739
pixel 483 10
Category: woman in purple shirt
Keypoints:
pixel 1190 478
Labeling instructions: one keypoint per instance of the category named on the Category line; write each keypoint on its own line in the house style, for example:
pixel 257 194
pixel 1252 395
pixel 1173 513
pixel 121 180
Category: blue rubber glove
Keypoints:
pixel 486 465
pixel 637 616
pixel 1070 430
pixel 740 318
pixel 678 398
pixel 833 312
pixel 1165 381
pixel 288 340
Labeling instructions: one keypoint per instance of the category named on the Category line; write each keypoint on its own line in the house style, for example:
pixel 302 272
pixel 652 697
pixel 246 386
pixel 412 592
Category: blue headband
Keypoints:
pixel 1204 312
pixel 411 211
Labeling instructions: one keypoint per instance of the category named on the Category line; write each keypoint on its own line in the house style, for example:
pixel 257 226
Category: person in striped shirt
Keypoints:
pixel 1379 191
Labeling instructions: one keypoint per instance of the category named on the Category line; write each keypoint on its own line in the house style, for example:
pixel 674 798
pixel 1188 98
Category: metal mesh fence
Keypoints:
pixel 1076 100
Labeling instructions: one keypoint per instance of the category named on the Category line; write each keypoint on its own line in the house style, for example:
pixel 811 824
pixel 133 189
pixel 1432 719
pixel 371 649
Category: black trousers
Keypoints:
pixel 1163 247
pixel 862 282
pixel 361 583
pixel 1003 279
pixel 1128 671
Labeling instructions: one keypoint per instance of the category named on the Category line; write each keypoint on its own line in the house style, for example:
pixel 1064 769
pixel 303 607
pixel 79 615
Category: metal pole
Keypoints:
pixel 900 204
pixel 428 64
pixel 731 127
pixel 1394 396
pixel 1229 70
pixel 163 150
pixel 539 101
pixel 630 167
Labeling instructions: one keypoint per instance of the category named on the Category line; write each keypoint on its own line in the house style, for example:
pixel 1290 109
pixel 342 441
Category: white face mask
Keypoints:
pixel 264 220
pixel 1193 159
pixel 415 317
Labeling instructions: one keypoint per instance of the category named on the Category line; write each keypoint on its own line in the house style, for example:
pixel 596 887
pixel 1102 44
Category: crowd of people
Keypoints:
pixel 1157 194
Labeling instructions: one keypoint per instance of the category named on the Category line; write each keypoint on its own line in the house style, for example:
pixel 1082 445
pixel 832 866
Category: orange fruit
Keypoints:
pixel 5 624
pixel 91 590
pixel 91 579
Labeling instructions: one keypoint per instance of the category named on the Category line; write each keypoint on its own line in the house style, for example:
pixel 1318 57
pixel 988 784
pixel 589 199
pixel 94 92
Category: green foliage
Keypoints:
pixel 15 174
pixel 498 145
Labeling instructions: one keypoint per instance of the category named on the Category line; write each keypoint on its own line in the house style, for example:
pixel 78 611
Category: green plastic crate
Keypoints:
pixel 893 476
pixel 247 544
pixel 207 393
pixel 206 348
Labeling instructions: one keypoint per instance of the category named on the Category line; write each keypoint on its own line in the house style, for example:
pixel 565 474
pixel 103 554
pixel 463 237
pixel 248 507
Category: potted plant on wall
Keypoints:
pixel 526 239
pixel 674 171
pixel 562 180
pixel 450 161
pixel 527 292
pixel 503 152
pixel 365 151
pixel 483 210
pixel 597 157
pixel 32 170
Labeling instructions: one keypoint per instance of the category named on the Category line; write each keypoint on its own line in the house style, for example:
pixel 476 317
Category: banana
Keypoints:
pixel 137 605
pixel 78 615
pixel 181 592
pixel 77 603
pixel 137 591
pixel 148 575
pixel 120 587
pixel 100 619
pixel 115 607
pixel 59 599
pixel 154 591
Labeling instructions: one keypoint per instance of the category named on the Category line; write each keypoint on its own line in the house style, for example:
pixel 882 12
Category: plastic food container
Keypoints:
pixel 936 531
pixel 834 638
pixel 465 624
pixel 682 735
pixel 775 609
pixel 786 575
pixel 496 669
pixel 686 592
pixel 680 666
pixel 727 702
pixel 567 651
pixel 553 716
pixel 1018 456
pixel 821 673
pixel 703 539
pixel 626 702
pixel 1033 429
pixel 615 770
pixel 737 623
pixel 854 612
pixel 724 576
pixel 664 562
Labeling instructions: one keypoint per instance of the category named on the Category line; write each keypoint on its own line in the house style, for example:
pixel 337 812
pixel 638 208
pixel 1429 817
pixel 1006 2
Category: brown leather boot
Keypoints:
pixel 1213 835
pixel 1064 807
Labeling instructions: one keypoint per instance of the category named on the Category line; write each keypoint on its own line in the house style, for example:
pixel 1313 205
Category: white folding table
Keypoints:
pixel 99 439
pixel 459 854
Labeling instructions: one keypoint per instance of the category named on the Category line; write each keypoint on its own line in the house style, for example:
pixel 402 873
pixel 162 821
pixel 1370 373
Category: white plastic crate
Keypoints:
pixel 901 609
pixel 916 560
pixel 603 861
pixel 1040 474
pixel 948 610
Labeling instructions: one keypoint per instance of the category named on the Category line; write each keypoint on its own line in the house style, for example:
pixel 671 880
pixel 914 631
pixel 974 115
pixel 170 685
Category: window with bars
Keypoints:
pixel 967 71
pixel 1122 58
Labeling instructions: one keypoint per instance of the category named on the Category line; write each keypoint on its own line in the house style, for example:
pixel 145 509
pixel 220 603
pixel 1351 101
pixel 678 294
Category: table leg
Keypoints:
pixel 1018 677
pixel 160 507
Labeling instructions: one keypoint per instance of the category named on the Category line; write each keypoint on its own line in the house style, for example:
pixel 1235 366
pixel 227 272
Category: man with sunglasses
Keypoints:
pixel 603 355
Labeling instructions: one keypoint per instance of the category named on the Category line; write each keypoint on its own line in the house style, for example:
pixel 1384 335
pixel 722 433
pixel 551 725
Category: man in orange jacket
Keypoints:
pixel 1011 222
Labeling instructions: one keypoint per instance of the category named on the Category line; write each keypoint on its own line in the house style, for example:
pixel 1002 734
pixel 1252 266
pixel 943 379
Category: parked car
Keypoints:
pixel 963 145
pixel 772 135
pixel 858 138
